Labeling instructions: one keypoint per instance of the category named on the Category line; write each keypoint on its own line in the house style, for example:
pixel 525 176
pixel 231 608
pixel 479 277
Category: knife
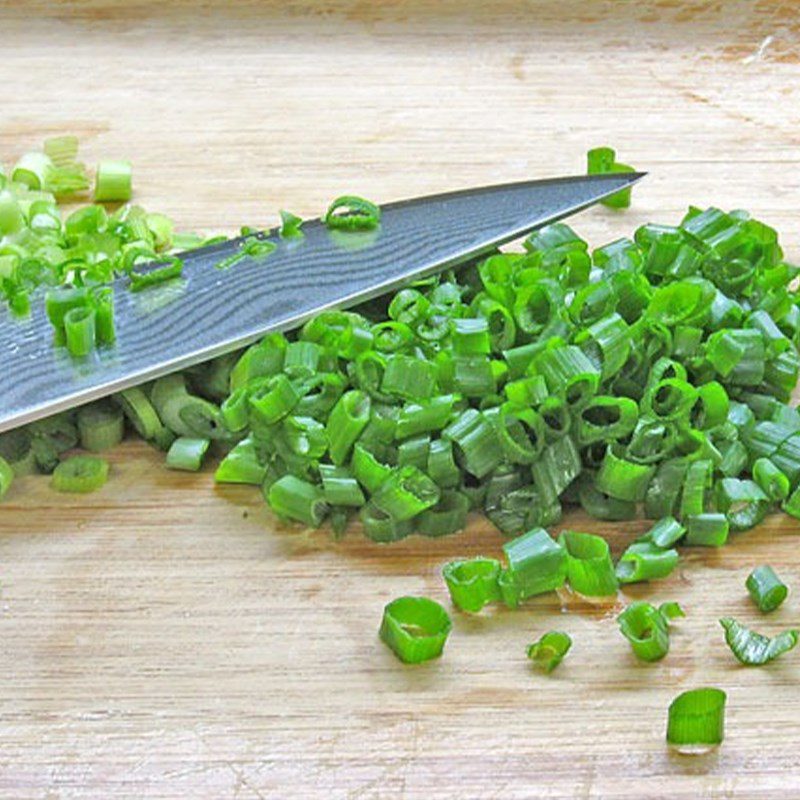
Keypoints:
pixel 208 312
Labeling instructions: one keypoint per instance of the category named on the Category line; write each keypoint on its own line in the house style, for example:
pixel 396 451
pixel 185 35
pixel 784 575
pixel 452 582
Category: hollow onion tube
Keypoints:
pixel 536 564
pixel 751 648
pixel 664 534
pixel 241 465
pixel 606 418
pixel 101 426
pixel 415 629
pixel 766 589
pixel 645 561
pixel 774 483
pixel 445 517
pixel 187 454
pixel 347 420
pixel 476 442
pixel 707 530
pixel 352 213
pixel 472 584
pixel 80 474
pixel 696 719
pixel 293 498
pixel 558 465
pixel 380 527
pixel 647 630
pixel 339 487
pixel 742 502
pixel 590 571
pixel 79 331
pixel 549 651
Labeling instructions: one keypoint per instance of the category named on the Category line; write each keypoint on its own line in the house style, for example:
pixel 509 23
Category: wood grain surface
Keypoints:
pixel 164 638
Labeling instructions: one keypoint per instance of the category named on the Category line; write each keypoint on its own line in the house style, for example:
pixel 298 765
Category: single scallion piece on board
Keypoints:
pixel 753 649
pixel 647 630
pixel 472 584
pixel 80 474
pixel 590 571
pixel 766 589
pixel 549 651
pixel 101 426
pixel 415 629
pixel 536 564
pixel 645 561
pixel 696 720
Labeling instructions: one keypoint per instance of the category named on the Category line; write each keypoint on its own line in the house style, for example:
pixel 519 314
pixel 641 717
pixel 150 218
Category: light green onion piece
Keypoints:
pixel 536 564
pixel 101 426
pixel 187 454
pixel 549 651
pixel 647 630
pixel 296 499
pixel 645 561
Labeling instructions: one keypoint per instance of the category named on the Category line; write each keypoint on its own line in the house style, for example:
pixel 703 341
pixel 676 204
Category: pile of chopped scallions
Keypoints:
pixel 649 376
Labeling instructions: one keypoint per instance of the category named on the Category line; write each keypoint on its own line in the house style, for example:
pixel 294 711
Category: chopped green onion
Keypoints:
pixel 6 477
pixel 241 465
pixel 80 331
pixel 351 213
pixel 707 530
pixel 80 474
pixel 415 629
pixel 187 454
pixel 601 161
pixel 173 268
pixel 536 564
pixel 472 584
pixel 340 487
pixel 380 527
pixel 549 651
pixel 296 499
pixel 624 479
pixel 753 649
pixel 445 517
pixel 665 533
pixel 347 420
pixel 771 480
pixel 645 561
pixel 696 720
pixel 113 181
pixel 101 426
pixel 647 630
pixel 766 589
pixel 406 492
pixel 742 502
pixel 590 571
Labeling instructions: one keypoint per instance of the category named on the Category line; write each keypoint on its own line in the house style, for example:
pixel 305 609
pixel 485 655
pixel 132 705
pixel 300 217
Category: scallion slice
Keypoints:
pixel 696 720
pixel 753 649
pixel 415 629
pixel 549 651
pixel 766 589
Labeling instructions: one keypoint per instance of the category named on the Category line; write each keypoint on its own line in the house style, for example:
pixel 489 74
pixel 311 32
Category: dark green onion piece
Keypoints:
pixel 476 442
pixel 472 584
pixel 447 516
pixel 415 629
pixel 339 487
pixel 187 454
pixel 241 465
pixel 696 720
pixel 80 474
pixel 379 527
pixel 707 530
pixel 665 533
pixel 432 415
pixel 590 571
pixel 771 480
pixel 406 492
pixel 536 564
pixel 647 630
pixel 645 561
pixel 766 589
pixel 290 225
pixel 173 268
pixel 347 420
pixel 753 649
pixel 671 610
pixel 80 331
pixel 296 499
pixel 549 651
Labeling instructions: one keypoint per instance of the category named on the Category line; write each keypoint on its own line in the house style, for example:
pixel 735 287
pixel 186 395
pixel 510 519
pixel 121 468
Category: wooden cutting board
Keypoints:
pixel 164 638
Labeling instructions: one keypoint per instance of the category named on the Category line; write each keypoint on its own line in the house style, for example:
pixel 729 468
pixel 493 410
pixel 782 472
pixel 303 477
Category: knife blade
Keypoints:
pixel 209 312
